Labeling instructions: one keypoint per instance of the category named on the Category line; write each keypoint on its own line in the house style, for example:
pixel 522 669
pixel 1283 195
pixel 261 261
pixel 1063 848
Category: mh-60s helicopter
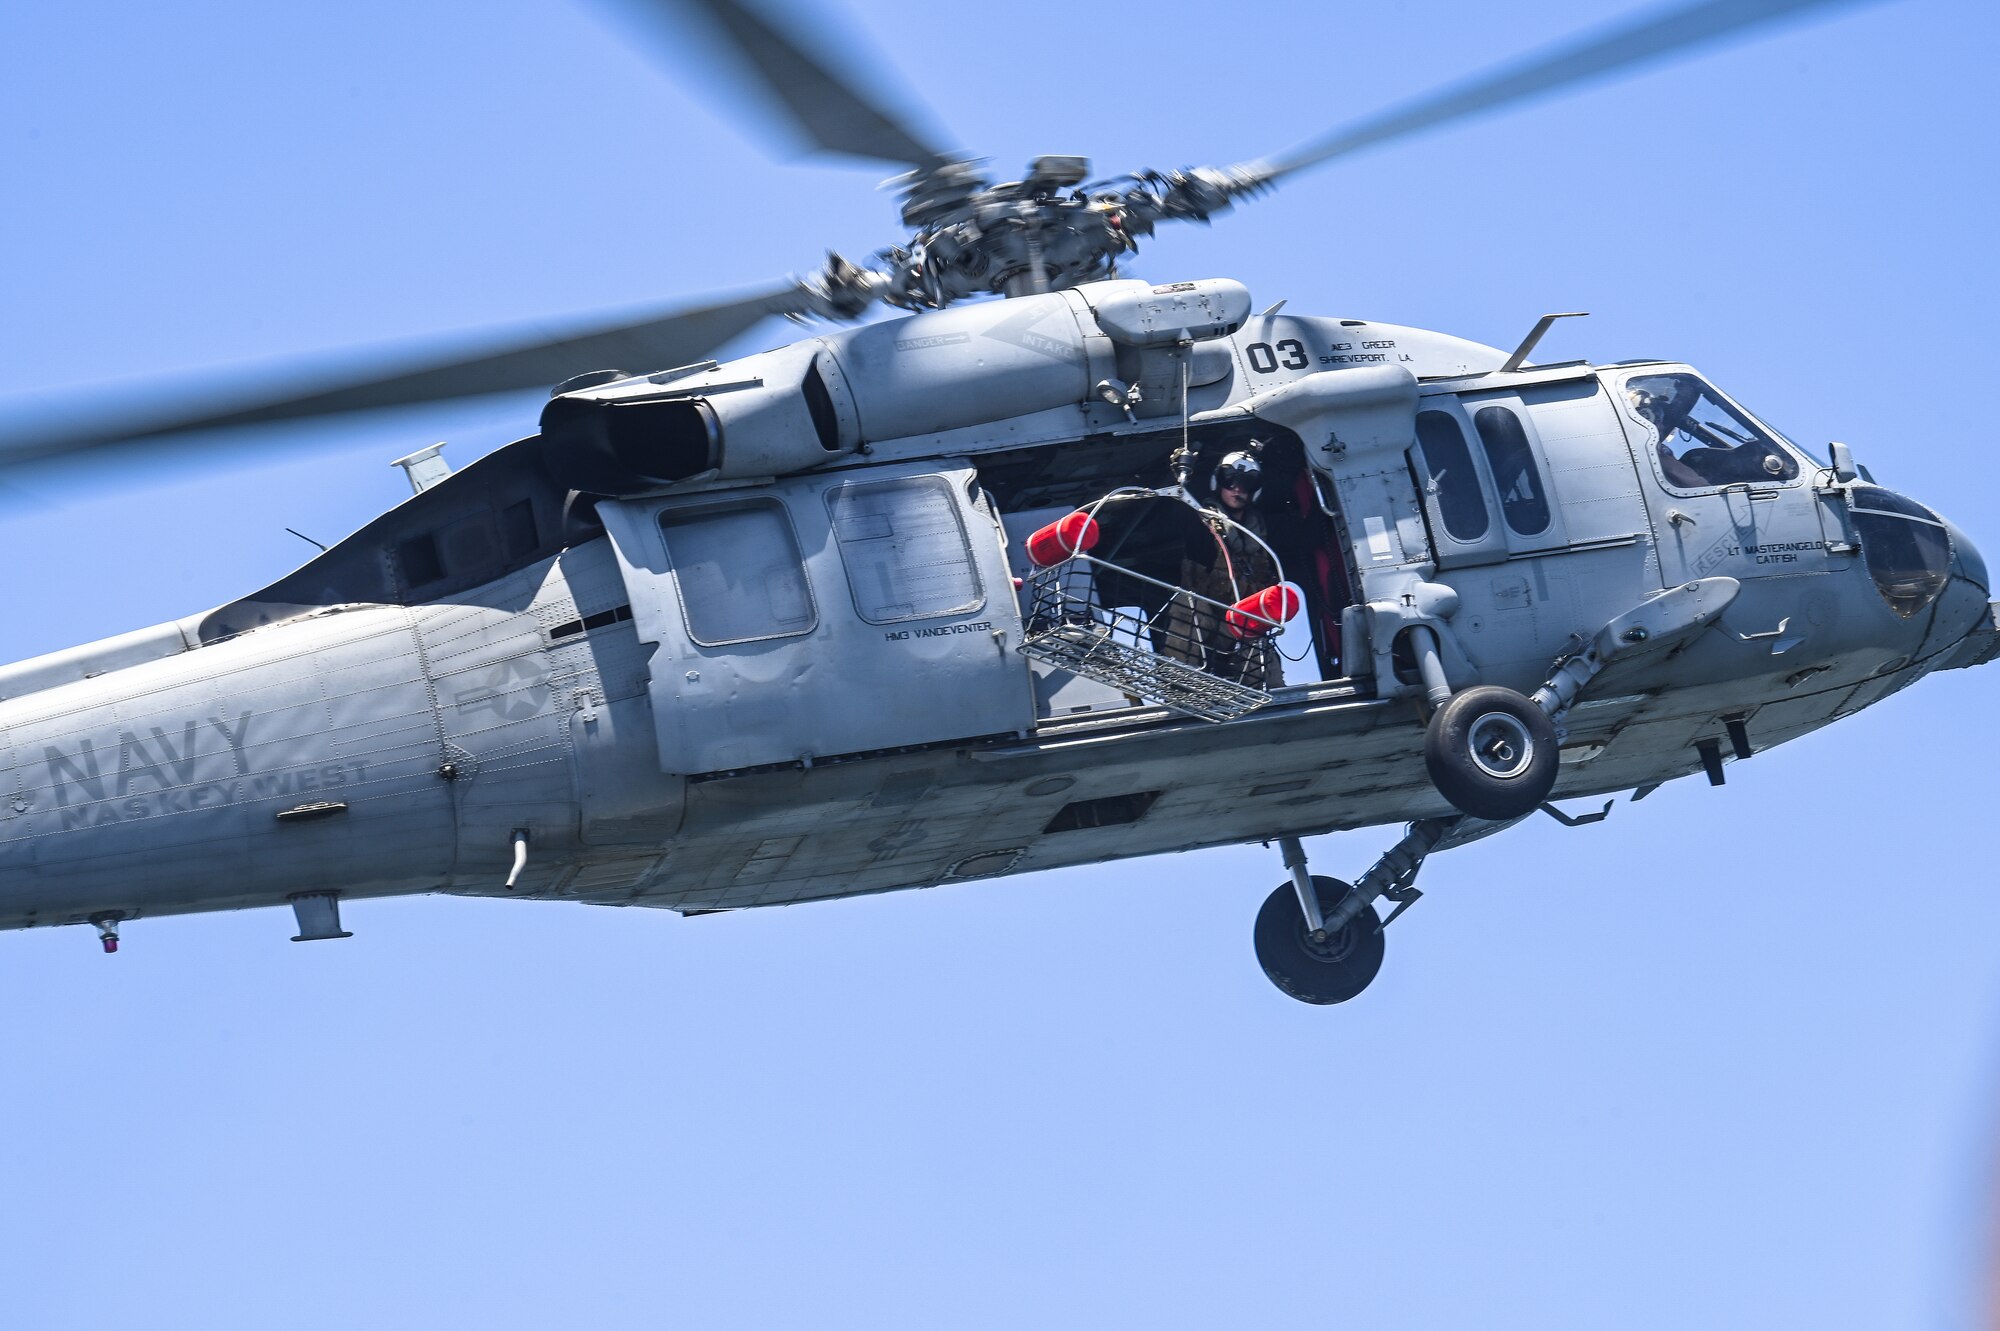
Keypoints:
pixel 745 634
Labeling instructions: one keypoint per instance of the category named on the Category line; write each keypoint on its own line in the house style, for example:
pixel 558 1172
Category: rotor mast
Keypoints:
pixel 968 235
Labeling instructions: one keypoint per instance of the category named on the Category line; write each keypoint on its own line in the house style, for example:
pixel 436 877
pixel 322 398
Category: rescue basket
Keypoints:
pixel 1109 620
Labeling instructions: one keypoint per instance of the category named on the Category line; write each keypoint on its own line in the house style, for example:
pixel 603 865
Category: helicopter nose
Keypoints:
pixel 1966 561
pixel 1964 608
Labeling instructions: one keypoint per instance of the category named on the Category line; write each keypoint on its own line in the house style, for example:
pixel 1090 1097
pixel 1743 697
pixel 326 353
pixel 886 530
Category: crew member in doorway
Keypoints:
pixel 1221 569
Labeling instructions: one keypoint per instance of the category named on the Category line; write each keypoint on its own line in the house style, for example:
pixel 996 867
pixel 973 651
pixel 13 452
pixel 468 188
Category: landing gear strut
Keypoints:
pixel 1318 965
pixel 1319 939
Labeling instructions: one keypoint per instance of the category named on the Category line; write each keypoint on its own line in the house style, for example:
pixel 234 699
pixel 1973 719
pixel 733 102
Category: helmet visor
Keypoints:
pixel 1245 475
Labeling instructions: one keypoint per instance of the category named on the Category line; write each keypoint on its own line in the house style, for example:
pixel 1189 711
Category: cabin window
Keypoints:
pixel 1523 500
pixel 1700 440
pixel 739 573
pixel 1450 477
pixel 905 549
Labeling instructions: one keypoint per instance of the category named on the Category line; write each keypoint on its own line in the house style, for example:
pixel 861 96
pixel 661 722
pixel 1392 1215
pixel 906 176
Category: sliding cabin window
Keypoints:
pixel 1524 500
pixel 739 573
pixel 1451 477
pixel 905 550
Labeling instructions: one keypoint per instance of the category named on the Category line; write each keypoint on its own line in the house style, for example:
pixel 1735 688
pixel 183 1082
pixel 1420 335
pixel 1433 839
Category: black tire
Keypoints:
pixel 1331 971
pixel 1492 752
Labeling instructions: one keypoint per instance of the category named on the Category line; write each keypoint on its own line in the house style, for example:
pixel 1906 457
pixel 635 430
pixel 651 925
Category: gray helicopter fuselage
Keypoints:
pixel 780 659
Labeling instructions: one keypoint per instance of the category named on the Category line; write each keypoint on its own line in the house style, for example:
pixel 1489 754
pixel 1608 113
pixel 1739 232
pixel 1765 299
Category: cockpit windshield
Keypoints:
pixel 1701 440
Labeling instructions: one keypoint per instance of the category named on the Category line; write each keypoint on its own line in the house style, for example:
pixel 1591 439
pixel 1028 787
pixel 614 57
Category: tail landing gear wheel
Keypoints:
pixel 1330 969
pixel 1492 752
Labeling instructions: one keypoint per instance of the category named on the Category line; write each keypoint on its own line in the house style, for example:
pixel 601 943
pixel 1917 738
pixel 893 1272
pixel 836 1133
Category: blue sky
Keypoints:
pixel 1726 1060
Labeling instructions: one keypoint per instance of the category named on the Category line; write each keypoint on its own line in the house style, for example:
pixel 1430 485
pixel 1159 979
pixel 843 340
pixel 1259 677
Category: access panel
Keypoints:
pixel 823 615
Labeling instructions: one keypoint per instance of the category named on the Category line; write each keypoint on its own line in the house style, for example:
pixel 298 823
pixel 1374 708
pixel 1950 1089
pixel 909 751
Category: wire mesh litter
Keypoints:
pixel 1151 657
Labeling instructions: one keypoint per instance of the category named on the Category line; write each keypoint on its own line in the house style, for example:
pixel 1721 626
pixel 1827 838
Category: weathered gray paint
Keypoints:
pixel 847 686
pixel 156 787
pixel 144 774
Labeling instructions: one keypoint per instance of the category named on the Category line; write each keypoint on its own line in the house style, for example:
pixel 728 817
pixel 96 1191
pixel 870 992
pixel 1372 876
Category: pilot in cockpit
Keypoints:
pixel 1701 441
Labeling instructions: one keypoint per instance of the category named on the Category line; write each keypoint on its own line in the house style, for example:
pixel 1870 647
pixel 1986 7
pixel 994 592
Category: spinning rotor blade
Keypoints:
pixel 1632 45
pixel 836 111
pixel 657 341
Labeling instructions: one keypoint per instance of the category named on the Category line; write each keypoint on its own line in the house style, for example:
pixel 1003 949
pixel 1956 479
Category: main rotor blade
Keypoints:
pixel 658 340
pixel 838 111
pixel 1626 47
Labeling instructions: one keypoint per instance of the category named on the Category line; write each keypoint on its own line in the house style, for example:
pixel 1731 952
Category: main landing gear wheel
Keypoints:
pixel 1492 752
pixel 1330 969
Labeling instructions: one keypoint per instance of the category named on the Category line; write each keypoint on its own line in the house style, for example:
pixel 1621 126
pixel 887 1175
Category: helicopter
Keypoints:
pixel 541 701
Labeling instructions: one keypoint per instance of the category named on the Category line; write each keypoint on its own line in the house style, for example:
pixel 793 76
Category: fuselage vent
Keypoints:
pixel 1105 811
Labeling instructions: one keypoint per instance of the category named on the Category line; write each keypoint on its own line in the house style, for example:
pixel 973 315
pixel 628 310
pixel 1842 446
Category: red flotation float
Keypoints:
pixel 1247 619
pixel 1065 538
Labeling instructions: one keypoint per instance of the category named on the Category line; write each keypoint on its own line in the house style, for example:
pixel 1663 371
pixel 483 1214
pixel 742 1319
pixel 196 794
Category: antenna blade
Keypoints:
pixel 838 106
pixel 1628 46
pixel 84 419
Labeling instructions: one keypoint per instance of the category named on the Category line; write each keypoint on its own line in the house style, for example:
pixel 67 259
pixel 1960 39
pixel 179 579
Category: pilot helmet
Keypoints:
pixel 1241 468
pixel 1649 405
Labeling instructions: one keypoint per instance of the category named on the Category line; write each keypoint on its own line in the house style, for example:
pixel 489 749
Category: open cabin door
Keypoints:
pixel 823 615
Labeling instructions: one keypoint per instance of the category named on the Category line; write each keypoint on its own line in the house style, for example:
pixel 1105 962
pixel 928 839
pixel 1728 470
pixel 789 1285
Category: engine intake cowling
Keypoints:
pixel 767 415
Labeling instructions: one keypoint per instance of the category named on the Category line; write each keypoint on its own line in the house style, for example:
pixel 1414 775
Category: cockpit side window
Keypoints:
pixel 1700 440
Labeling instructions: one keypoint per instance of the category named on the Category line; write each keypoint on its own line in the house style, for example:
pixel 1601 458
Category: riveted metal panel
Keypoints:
pixel 504 715
pixel 949 670
pixel 159 784
pixel 1590 464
